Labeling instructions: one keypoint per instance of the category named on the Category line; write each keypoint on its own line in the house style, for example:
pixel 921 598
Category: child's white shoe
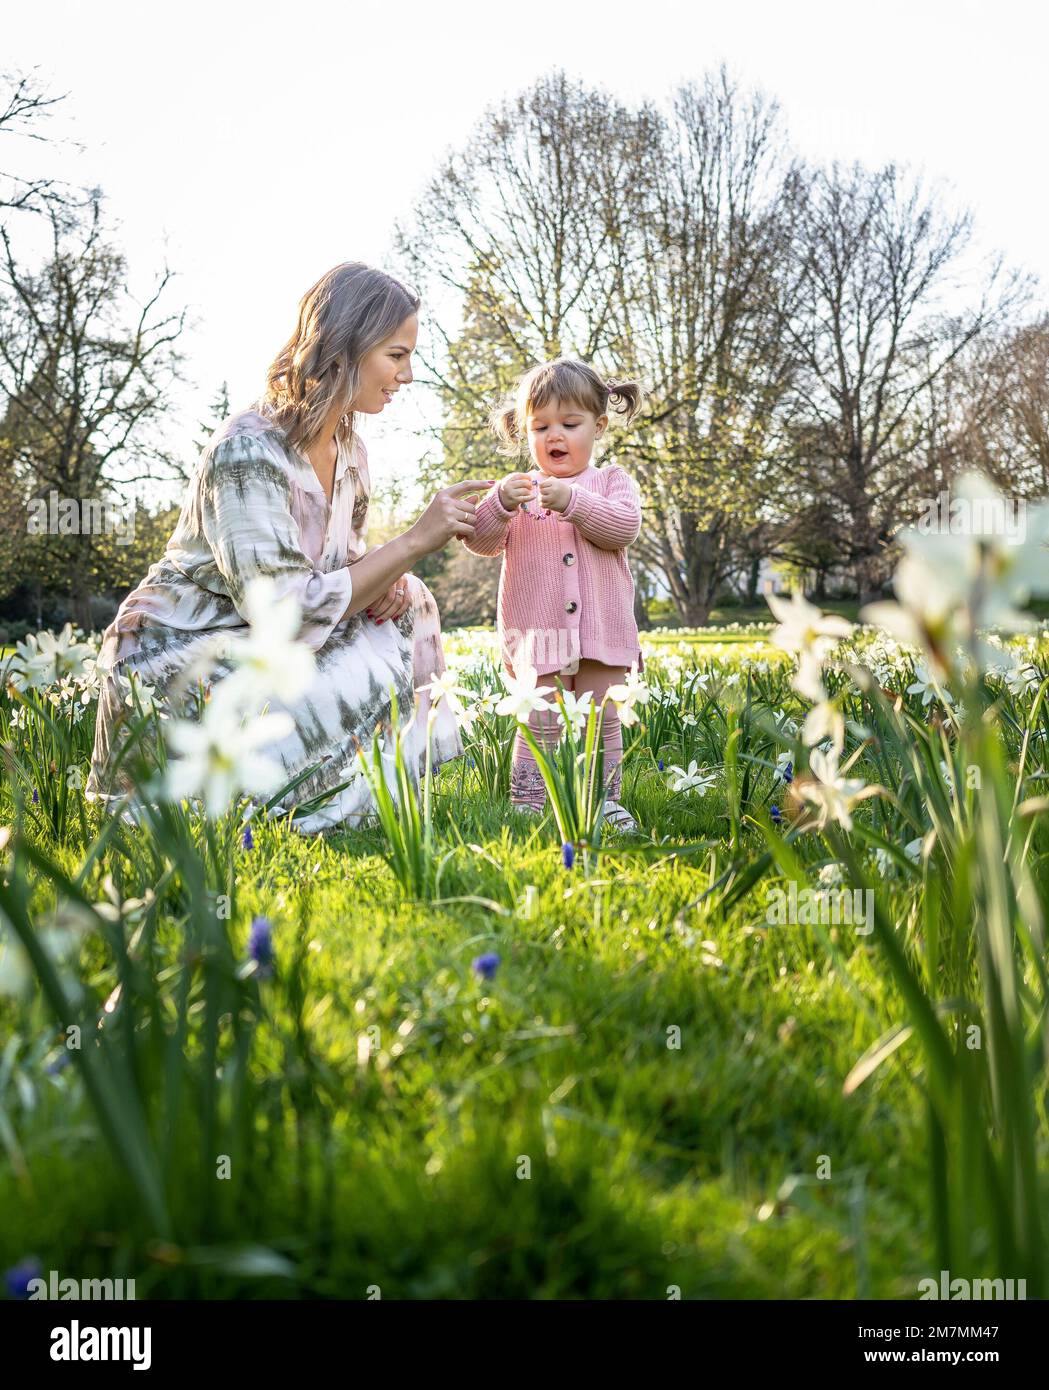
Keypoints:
pixel 529 809
pixel 618 816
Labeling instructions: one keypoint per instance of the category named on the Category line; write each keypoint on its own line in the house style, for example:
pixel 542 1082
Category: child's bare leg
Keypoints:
pixel 596 677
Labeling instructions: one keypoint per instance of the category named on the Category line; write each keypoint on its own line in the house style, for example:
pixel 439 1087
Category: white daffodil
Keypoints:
pixel 833 795
pixel 928 687
pixel 689 720
pixel 823 721
pixel 524 695
pixel 485 701
pixel 574 710
pixel 16 972
pixel 953 583
pixel 913 849
pixel 142 695
pixel 27 669
pixel 270 662
pixel 808 680
pixel 220 756
pixel 1022 680
pixel 634 691
pixel 784 766
pixel 446 687
pixel 694 780
pixel 803 627
pixel 831 874
pixel 1014 566
pixel 931 586
pixel 43 658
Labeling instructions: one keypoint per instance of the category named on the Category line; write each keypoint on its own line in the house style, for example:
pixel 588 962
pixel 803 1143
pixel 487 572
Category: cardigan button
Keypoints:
pixel 569 559
pixel 571 606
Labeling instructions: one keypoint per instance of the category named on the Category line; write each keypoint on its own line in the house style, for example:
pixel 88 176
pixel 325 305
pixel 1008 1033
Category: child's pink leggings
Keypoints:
pixel 526 782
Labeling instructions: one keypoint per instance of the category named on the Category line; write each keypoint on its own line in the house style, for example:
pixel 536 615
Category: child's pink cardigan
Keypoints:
pixel 565 589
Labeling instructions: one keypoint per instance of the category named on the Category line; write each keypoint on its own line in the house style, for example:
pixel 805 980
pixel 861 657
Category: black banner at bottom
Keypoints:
pixel 111 1337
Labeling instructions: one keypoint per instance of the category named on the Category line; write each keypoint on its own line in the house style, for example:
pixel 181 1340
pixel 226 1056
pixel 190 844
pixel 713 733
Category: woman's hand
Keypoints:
pixel 517 488
pixel 393 604
pixel 450 513
pixel 554 493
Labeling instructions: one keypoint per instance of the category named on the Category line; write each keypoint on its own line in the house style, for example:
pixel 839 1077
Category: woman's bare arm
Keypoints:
pixel 450 513
pixel 374 572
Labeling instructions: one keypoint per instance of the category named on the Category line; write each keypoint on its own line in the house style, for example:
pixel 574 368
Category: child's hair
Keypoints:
pixel 564 379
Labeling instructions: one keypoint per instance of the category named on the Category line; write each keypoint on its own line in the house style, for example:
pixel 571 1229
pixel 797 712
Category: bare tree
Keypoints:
pixel 25 109
pixel 528 229
pixel 706 315
pixel 86 371
pixel 883 311
pixel 1001 415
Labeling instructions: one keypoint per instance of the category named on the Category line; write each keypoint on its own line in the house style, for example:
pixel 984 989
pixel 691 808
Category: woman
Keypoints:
pixel 282 489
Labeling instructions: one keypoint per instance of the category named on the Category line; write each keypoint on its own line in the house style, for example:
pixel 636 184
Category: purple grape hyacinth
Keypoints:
pixel 260 945
pixel 568 854
pixel 18 1278
pixel 485 966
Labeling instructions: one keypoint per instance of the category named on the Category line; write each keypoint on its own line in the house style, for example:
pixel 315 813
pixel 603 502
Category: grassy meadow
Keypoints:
pixel 599 1074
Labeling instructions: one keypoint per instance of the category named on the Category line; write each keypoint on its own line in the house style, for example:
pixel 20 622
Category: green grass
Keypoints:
pixel 650 1166
pixel 419 1130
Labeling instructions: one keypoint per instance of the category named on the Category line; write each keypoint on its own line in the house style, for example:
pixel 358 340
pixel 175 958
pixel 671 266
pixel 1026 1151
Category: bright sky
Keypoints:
pixel 256 144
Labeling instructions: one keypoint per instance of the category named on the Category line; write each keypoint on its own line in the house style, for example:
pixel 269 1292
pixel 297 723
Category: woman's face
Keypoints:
pixel 386 368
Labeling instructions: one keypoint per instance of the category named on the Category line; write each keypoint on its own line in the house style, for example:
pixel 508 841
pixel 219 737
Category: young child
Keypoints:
pixel 566 595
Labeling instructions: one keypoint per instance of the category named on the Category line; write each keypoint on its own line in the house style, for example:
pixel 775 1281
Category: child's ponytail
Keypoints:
pixel 502 419
pixel 630 395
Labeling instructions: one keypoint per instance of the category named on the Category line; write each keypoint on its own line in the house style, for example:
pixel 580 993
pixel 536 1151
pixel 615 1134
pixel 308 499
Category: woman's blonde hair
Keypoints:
pixel 349 311
pixel 570 381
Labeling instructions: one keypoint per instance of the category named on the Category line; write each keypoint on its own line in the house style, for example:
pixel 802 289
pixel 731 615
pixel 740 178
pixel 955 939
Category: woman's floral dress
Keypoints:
pixel 254 506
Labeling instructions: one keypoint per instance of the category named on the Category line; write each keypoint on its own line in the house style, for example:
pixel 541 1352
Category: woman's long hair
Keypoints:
pixel 349 311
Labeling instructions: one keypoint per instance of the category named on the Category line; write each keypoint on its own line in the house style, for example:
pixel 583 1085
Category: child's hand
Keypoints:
pixel 554 493
pixel 517 488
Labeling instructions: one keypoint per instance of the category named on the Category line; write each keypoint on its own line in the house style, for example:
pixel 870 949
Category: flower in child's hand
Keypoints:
pixel 516 491
pixel 554 493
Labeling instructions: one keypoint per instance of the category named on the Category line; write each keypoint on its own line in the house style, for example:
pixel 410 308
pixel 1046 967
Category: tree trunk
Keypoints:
pixel 641 609
pixel 694 612
pixel 752 580
pixel 80 591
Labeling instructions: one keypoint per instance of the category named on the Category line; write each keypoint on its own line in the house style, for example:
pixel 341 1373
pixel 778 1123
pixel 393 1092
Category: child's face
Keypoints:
pixel 561 437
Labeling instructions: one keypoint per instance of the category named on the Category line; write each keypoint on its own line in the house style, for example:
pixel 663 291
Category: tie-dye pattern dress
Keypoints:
pixel 255 505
